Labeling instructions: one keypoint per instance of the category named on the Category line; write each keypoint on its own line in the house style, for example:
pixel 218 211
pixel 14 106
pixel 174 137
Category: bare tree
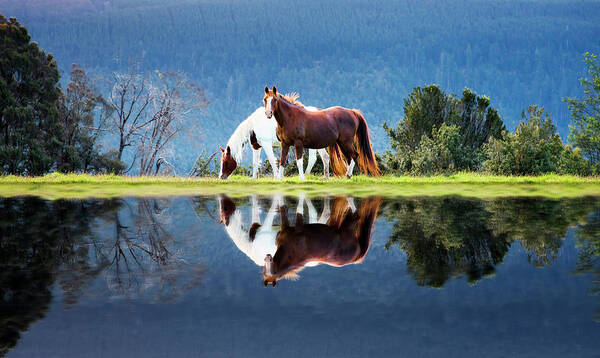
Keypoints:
pixel 129 99
pixel 150 111
pixel 174 100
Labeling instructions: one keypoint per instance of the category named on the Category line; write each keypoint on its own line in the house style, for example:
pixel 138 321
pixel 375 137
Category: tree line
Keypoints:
pixel 354 53
pixel 137 121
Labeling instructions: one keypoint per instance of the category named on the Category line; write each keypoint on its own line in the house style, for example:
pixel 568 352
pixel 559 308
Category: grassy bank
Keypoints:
pixel 54 186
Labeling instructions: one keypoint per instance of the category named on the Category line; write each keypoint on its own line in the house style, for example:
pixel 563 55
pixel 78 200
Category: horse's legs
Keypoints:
pixel 312 158
pixel 326 214
pixel 255 209
pixel 299 148
pixel 351 155
pixel 256 162
pixel 283 217
pixel 351 204
pixel 325 159
pixel 300 206
pixel 283 160
pixel 350 168
pixel 277 201
pixel 312 212
pixel 272 160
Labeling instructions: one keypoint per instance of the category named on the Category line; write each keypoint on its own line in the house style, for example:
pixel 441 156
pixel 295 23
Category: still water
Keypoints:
pixel 344 277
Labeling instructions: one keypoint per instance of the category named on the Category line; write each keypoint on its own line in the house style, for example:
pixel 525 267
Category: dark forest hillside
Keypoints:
pixel 355 53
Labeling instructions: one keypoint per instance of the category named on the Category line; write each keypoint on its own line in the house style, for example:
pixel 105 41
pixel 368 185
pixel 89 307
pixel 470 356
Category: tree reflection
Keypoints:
pixel 71 243
pixel 142 258
pixel 446 238
pixel 588 242
pixel 36 238
pixel 539 224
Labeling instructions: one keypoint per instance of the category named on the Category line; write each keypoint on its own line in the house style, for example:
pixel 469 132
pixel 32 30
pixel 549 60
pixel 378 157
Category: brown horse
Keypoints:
pixel 344 240
pixel 336 128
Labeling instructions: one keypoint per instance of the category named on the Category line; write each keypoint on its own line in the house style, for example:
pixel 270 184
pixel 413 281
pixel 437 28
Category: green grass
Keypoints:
pixel 56 186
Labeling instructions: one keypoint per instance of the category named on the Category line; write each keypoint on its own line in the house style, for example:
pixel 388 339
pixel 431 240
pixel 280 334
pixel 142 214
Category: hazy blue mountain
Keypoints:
pixel 355 53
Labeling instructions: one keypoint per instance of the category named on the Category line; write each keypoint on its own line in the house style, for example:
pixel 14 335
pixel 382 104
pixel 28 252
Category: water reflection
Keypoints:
pixel 74 242
pixel 446 238
pixel 588 241
pixel 37 237
pixel 150 249
pixel 341 236
pixel 141 256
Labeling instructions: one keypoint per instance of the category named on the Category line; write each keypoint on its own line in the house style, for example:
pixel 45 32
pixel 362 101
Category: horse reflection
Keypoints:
pixel 343 240
pixel 259 239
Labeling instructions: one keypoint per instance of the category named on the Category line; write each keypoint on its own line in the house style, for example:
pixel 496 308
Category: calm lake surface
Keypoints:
pixel 410 277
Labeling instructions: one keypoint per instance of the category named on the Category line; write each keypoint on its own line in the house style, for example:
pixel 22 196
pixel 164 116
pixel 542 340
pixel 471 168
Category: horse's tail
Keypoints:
pixel 366 158
pixel 337 162
pixel 367 213
pixel 339 209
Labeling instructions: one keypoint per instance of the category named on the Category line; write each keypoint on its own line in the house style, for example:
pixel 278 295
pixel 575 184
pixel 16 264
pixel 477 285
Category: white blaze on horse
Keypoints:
pixel 259 131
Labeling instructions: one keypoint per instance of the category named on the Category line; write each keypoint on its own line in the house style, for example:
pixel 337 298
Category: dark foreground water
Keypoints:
pixel 417 277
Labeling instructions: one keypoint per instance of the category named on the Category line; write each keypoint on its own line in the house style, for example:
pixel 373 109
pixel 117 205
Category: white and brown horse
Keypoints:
pixel 257 239
pixel 336 128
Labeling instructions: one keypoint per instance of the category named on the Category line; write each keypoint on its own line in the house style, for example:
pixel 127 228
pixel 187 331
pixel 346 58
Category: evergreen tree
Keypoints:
pixel 441 133
pixel 585 131
pixel 77 107
pixel 30 132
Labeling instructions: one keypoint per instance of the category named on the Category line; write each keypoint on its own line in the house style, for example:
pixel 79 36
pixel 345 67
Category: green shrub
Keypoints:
pixel 108 162
pixel 571 161
pixel 443 153
pixel 533 149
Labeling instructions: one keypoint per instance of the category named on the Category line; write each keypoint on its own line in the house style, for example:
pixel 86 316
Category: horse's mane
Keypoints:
pixel 239 138
pixel 238 234
pixel 292 98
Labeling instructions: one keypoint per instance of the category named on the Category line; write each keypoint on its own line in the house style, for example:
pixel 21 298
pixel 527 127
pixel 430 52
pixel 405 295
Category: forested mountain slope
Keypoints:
pixel 355 53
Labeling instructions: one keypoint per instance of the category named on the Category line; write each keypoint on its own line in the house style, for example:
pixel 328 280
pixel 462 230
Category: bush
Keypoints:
pixel 206 165
pixel 443 153
pixel 571 161
pixel 535 148
pixel 108 162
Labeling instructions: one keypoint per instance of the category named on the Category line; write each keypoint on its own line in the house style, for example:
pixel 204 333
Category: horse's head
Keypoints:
pixel 228 163
pixel 268 274
pixel 226 209
pixel 270 101
pixel 283 265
